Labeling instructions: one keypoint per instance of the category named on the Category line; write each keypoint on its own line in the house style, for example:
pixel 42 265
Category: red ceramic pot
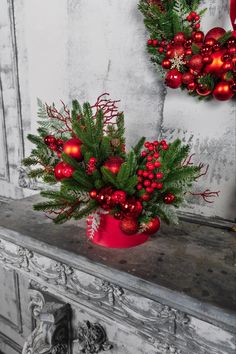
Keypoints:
pixel 110 235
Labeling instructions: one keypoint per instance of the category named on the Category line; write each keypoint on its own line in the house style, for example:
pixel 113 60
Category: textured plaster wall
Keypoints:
pixel 81 48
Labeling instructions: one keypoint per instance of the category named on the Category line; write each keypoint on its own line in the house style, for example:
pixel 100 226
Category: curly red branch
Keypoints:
pixel 53 113
pixel 108 107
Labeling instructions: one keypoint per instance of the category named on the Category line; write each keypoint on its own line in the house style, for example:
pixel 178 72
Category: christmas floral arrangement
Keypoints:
pixel 203 64
pixel 83 151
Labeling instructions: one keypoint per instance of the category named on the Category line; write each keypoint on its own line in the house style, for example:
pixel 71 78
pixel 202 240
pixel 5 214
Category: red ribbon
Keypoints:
pixel 233 13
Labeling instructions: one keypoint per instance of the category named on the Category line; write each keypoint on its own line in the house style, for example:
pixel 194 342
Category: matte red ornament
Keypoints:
pixel 177 50
pixel 179 37
pixel 119 197
pixel 216 65
pixel 169 198
pixel 73 148
pixel 215 33
pixel 196 62
pixel 187 78
pixel 50 139
pixel 129 226
pixel 222 91
pixel 173 79
pixel 152 226
pixel 113 164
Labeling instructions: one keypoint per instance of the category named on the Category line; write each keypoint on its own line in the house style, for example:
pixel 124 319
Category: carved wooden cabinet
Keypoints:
pixel 61 294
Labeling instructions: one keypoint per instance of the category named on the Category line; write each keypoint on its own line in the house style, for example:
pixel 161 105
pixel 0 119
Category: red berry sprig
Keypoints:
pixel 54 144
pixel 91 166
pixel 149 178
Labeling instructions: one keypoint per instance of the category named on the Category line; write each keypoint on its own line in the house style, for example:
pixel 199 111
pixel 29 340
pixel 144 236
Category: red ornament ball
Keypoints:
pixel 179 37
pixel 216 65
pixel 166 64
pixel 198 36
pixel 173 79
pixel 129 226
pixel 145 197
pixel 93 193
pixel 215 33
pixel 50 139
pixel 177 50
pixel 119 197
pixel 73 148
pixel 153 226
pixel 196 62
pixel 203 90
pixel 222 91
pixel 63 170
pixel 113 164
pixel 169 198
pixel 187 78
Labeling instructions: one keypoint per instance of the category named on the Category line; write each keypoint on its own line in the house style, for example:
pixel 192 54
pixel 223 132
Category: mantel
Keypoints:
pixel 186 271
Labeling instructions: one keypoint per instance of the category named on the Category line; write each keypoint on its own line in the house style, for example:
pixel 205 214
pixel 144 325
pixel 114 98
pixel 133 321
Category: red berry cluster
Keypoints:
pixel 194 18
pixel 91 166
pixel 150 177
pixel 54 144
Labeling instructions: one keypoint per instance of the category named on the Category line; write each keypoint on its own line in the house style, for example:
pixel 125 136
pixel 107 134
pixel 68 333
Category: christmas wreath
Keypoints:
pixel 204 64
pixel 83 151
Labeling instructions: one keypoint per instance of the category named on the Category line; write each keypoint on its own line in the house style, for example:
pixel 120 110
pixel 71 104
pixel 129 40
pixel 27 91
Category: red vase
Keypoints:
pixel 110 235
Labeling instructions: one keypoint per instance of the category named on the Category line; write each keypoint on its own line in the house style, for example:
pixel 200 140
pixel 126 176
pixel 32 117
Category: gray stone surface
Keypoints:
pixel 192 259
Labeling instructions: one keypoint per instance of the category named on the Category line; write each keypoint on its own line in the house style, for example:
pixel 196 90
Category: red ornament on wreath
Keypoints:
pixel 222 91
pixel 73 148
pixel 215 33
pixel 173 79
pixel 129 226
pixel 113 164
pixel 50 139
pixel 152 226
pixel 216 65
pixel 119 197
pixel 196 62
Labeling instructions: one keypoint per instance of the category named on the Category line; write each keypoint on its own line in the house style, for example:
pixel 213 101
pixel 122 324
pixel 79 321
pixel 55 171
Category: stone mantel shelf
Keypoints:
pixel 190 266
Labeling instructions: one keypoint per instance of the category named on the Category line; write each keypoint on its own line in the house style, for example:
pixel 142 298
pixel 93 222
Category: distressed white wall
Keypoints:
pixel 81 48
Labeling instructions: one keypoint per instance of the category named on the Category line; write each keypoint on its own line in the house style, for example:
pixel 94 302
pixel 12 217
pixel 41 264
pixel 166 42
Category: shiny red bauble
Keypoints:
pixel 177 50
pixel 166 64
pixel 198 37
pixel 50 139
pixel 129 226
pixel 210 41
pixel 196 62
pixel 179 37
pixel 153 226
pixel 215 33
pixel 73 148
pixel 93 193
pixel 119 197
pixel 187 78
pixel 173 79
pixel 63 170
pixel 191 86
pixel 215 66
pixel 169 198
pixel 222 91
pixel 132 207
pixel 113 164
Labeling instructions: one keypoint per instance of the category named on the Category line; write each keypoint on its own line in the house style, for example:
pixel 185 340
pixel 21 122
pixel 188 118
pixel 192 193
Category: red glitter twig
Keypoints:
pixel 108 107
pixel 53 113
pixel 188 161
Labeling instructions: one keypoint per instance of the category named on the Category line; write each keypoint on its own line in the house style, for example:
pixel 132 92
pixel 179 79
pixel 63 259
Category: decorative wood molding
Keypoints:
pixel 52 324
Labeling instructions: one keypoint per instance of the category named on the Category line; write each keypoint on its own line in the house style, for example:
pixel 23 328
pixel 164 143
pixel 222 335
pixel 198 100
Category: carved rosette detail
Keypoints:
pixel 24 256
pixel 63 272
pixel 92 338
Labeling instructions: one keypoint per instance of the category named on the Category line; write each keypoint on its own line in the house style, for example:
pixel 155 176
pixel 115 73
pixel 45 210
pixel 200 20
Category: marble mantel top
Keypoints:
pixel 193 261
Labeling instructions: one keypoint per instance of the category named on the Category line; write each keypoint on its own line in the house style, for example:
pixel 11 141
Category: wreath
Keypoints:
pixel 186 57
